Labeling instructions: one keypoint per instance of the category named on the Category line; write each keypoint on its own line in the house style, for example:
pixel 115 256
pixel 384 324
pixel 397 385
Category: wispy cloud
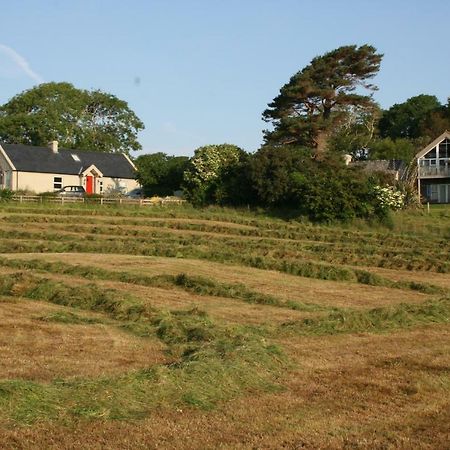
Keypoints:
pixel 21 63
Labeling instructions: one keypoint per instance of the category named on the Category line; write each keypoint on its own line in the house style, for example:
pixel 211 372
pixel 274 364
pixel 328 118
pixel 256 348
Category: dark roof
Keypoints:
pixel 28 158
pixel 381 165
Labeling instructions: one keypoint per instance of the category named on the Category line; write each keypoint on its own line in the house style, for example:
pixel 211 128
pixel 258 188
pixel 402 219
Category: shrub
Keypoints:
pixel 6 195
pixel 388 197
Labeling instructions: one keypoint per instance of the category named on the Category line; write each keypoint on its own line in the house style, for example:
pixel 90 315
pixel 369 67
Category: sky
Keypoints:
pixel 200 72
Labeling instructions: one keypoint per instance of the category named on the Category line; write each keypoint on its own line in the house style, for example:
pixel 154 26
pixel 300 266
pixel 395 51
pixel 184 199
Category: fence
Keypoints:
pixel 97 200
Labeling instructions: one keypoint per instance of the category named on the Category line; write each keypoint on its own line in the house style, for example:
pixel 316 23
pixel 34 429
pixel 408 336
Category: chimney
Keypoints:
pixel 54 146
pixel 347 159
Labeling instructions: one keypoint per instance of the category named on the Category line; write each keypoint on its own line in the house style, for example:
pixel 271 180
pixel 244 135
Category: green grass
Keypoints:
pixel 374 320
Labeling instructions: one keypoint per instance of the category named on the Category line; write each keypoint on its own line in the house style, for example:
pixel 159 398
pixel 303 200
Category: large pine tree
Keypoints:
pixel 318 98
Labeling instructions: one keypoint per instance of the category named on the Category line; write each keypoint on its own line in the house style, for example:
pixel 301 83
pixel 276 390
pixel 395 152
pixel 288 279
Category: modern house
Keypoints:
pixel 43 169
pixel 433 176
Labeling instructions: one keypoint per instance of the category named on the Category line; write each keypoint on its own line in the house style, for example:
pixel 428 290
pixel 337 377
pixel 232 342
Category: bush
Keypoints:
pixel 324 191
pixel 6 195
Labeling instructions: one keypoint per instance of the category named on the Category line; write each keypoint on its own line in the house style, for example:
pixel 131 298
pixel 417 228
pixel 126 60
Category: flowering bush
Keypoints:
pixel 389 197
pixel 202 178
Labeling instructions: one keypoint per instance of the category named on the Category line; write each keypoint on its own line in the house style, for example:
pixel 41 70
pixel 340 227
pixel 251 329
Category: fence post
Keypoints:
pixel 101 201
pixel 21 199
pixel 62 200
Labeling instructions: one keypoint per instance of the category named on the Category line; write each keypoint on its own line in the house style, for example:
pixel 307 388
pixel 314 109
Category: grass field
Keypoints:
pixel 139 328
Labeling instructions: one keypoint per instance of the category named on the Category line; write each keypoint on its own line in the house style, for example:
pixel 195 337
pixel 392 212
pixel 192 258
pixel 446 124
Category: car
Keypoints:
pixel 72 191
pixel 135 193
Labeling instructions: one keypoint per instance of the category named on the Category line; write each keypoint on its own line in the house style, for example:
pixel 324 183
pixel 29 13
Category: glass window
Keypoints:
pixel 431 154
pixel 444 149
pixel 57 182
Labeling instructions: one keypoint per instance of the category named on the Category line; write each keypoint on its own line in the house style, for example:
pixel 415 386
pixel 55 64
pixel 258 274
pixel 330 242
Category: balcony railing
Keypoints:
pixel 431 172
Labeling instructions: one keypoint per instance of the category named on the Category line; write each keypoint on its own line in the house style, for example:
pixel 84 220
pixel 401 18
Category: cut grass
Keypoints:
pixel 212 362
pixel 379 386
pixel 41 342
pixel 374 320
pixel 194 284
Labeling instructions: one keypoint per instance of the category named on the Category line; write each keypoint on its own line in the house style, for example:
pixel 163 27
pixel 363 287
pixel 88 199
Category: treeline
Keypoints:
pixel 325 111
pixel 281 178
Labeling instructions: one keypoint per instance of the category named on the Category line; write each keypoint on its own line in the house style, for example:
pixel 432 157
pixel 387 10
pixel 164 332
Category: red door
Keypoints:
pixel 89 184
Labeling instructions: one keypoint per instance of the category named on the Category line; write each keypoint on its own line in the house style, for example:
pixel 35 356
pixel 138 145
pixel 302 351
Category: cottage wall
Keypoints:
pixel 44 182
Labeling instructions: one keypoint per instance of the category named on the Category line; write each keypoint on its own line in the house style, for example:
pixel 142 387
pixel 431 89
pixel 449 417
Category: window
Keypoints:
pixel 75 157
pixel 101 186
pixel 444 149
pixel 431 154
pixel 57 182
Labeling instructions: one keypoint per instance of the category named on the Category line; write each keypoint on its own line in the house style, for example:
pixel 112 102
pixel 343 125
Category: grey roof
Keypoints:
pixel 28 158
pixel 381 165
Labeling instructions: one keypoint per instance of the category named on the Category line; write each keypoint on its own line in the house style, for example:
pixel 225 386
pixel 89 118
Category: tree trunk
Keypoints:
pixel 321 142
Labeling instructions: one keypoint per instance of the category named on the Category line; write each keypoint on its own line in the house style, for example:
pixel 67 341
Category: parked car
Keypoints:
pixel 72 191
pixel 135 193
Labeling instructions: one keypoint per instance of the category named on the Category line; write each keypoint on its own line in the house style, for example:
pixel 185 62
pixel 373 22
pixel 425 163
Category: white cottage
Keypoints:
pixel 43 169
pixel 434 170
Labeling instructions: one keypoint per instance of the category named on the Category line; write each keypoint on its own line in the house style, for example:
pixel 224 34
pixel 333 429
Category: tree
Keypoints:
pixel 321 96
pixel 356 134
pixel 91 120
pixel 272 169
pixel 287 178
pixel 403 149
pixel 204 178
pixel 160 174
pixel 403 120
pixel 435 122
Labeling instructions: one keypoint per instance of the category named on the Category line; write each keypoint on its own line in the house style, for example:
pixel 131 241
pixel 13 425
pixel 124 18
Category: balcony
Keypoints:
pixel 434 172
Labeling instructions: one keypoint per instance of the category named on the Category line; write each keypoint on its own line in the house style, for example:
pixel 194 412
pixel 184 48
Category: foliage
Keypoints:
pixel 160 174
pixel 272 168
pixel 403 120
pixel 321 96
pixel 388 148
pixel 389 197
pixel 6 195
pixel 207 172
pixel 77 118
pixel 356 134
pixel 323 190
pixel 436 122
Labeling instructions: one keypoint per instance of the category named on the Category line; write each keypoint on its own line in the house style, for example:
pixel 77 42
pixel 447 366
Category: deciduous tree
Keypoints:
pixel 77 118
pixel 160 174
pixel 204 176
pixel 403 120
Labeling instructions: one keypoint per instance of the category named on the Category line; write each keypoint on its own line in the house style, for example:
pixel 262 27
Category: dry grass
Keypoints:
pixel 288 287
pixel 368 391
pixel 386 390
pixel 438 279
pixel 39 350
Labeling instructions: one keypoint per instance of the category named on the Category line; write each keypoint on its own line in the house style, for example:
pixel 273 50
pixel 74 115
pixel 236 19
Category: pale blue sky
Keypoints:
pixel 202 71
